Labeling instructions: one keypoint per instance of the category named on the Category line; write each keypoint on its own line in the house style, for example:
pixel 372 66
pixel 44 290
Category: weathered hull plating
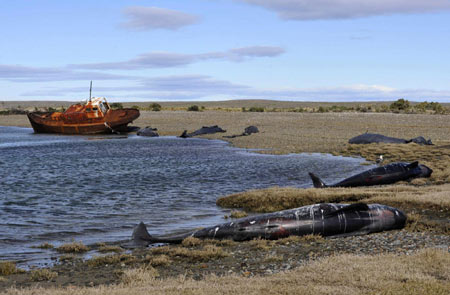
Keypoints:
pixel 320 219
pixel 381 175
pixel 115 120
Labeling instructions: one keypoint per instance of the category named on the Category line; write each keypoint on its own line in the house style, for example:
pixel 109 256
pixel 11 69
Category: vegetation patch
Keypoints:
pixel 238 214
pixel 75 247
pixel 193 108
pixel 106 249
pixel 43 275
pixel 9 268
pixel 159 260
pixel 111 259
pixel 139 276
pixel 207 253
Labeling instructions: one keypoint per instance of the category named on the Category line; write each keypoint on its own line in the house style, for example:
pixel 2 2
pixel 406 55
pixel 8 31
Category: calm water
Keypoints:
pixel 56 188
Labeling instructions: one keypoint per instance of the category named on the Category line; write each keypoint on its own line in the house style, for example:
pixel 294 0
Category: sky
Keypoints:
pixel 204 50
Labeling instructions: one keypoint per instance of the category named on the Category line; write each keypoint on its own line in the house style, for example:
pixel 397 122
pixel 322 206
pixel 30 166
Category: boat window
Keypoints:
pixel 95 109
pixel 88 109
pixel 103 107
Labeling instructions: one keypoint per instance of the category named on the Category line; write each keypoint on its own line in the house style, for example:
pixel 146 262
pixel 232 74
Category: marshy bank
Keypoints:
pixel 413 260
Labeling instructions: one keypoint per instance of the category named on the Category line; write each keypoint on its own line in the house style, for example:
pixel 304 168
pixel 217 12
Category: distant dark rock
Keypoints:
pixel 148 131
pixel 203 130
pixel 367 138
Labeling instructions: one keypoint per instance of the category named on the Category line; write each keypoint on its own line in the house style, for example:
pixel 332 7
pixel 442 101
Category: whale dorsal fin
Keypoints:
pixel 352 207
pixel 140 233
pixel 413 165
pixel 317 182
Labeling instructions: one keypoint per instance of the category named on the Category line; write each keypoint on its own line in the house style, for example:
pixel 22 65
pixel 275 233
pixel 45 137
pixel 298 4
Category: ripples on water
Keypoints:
pixel 56 188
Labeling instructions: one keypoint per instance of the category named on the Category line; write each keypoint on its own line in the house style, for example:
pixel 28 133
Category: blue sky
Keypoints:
pixel 310 50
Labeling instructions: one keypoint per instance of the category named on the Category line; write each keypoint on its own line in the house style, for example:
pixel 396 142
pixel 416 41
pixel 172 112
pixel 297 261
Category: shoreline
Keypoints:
pixel 426 201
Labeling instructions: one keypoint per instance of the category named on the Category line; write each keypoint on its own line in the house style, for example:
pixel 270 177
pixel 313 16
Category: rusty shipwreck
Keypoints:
pixel 93 117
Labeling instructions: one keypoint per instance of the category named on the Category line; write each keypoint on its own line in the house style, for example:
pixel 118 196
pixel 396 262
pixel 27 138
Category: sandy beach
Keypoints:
pixel 412 260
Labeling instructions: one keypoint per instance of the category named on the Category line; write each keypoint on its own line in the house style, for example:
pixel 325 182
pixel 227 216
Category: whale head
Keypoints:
pixel 425 171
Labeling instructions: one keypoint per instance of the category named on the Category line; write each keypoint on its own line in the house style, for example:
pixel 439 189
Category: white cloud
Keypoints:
pixel 151 18
pixel 345 9
pixel 168 59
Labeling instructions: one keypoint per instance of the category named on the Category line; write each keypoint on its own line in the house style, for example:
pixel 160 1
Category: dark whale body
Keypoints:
pixel 320 219
pixel 381 175
pixel 202 131
pixel 367 138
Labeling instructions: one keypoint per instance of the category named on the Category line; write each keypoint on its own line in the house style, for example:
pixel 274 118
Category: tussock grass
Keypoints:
pixel 111 259
pixel 43 275
pixel 423 272
pixel 208 252
pixel 9 268
pixel 160 260
pixel 106 249
pixel 261 244
pixel 238 214
pixel 139 275
pixel 74 247
pixel 191 242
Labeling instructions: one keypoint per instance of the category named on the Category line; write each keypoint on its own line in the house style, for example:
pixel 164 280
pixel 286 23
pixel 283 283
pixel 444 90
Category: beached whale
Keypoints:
pixel 381 175
pixel 202 131
pixel 367 138
pixel 321 219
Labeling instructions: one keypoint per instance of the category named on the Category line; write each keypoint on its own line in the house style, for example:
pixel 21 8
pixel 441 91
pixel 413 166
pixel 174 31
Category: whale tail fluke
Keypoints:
pixel 140 235
pixel 317 182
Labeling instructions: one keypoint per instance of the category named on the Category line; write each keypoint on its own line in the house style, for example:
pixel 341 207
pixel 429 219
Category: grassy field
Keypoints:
pixel 423 272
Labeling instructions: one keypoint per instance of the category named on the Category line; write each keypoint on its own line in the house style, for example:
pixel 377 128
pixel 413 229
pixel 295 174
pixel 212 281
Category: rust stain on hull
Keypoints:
pixel 94 117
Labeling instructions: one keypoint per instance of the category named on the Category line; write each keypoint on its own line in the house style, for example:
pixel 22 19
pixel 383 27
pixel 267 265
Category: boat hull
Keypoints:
pixel 114 121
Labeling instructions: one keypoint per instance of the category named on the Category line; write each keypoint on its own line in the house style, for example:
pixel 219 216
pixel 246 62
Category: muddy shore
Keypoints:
pixel 284 133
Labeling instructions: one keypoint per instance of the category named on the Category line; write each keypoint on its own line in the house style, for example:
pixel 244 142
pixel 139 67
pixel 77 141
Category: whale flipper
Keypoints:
pixel 317 182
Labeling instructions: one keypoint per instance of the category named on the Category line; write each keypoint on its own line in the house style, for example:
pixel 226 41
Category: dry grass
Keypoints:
pixel 191 242
pixel 261 244
pixel 74 247
pixel 208 252
pixel 238 214
pixel 43 275
pixel 106 249
pixel 111 259
pixel 160 260
pixel 139 275
pixel 424 272
pixel 9 268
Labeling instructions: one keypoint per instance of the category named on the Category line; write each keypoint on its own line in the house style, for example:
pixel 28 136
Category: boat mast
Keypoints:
pixel 90 92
